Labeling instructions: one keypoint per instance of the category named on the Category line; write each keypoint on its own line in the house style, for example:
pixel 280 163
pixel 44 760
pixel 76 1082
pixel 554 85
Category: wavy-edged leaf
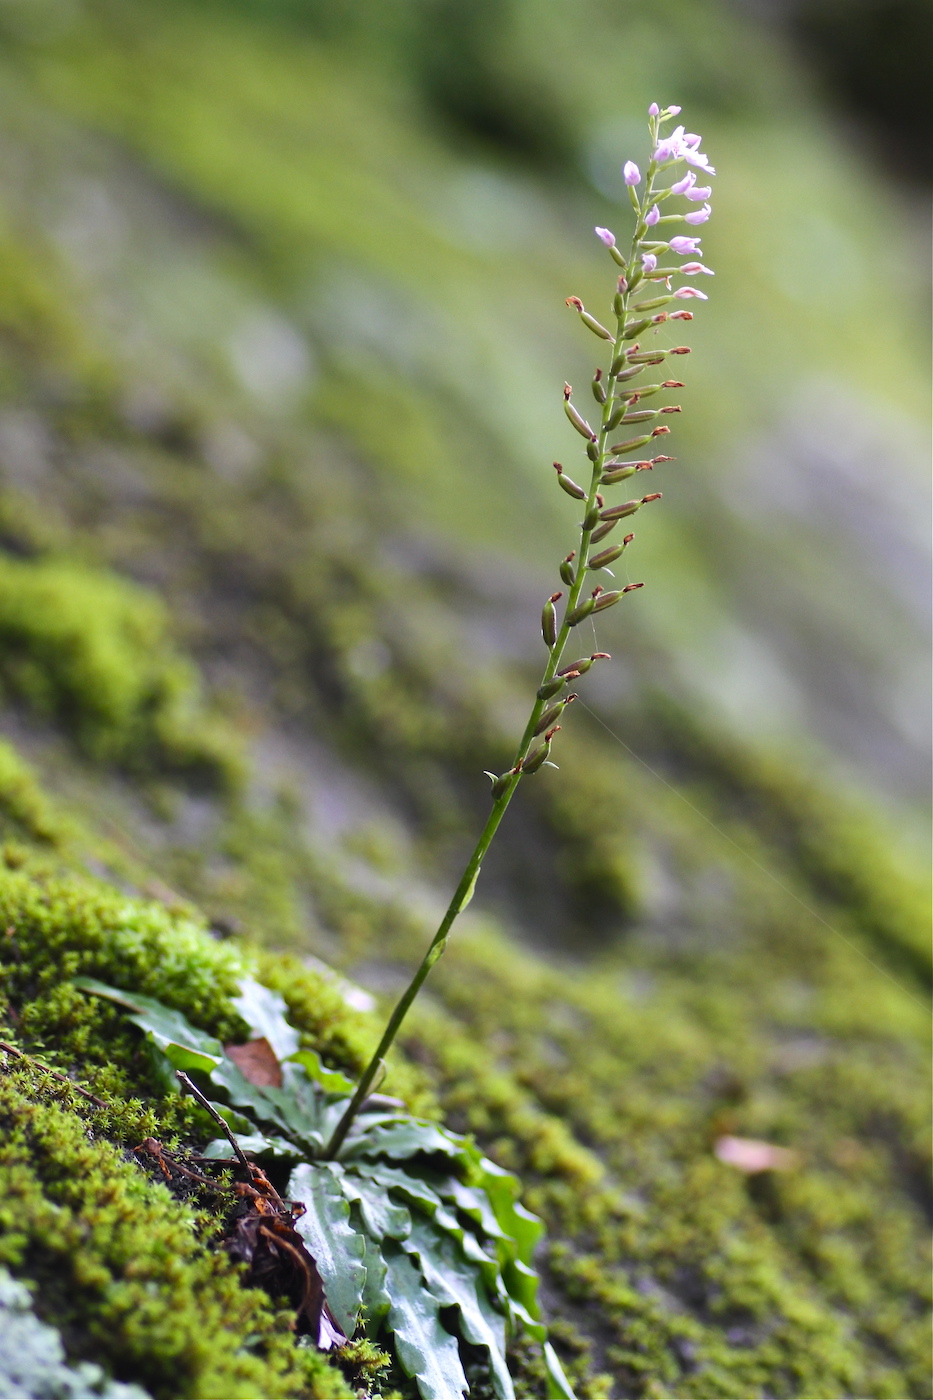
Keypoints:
pixel 382 1219
pixel 424 1348
pixel 414 1188
pixel 519 1224
pixel 254 1145
pixel 376 1300
pixel 400 1139
pixel 336 1247
pixel 186 1047
pixel 264 1012
pixel 295 1109
pixel 454 1284
pixel 330 1080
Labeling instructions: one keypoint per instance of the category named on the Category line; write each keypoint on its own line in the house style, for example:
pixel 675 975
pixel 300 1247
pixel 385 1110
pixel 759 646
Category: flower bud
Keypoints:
pixel 602 531
pixel 578 667
pixel 581 612
pixel 549 716
pixel 589 320
pixel 643 415
pixel 502 784
pixel 605 556
pixel 551 687
pixel 581 425
pixel 539 755
pixel 592 516
pixel 615 513
pixel 673 384
pixel 651 357
pixel 566 570
pixel 568 484
pixel 679 349
pixel 592 450
pixel 549 620
pixel 635 328
pixel 618 471
pixel 658 432
pixel 632 445
pixel 606 600
pixel 626 374
pixel 651 303
pixel 599 389
pixel 631 587
pixel 681 316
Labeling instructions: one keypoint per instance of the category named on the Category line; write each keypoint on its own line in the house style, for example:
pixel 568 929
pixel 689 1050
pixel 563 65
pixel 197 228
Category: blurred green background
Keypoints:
pixel 282 339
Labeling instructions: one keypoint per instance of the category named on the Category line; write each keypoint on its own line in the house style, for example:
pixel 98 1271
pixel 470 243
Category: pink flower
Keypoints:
pixel 631 173
pixel 649 262
pixel 684 292
pixel 750 1155
pixel 683 245
pixel 607 236
pixel 652 216
pixel 700 192
pixel 693 267
pixel 698 216
pixel 685 185
pixel 653 110
pixel 673 111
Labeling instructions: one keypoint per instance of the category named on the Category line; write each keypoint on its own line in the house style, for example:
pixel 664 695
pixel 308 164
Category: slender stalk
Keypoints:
pixel 464 891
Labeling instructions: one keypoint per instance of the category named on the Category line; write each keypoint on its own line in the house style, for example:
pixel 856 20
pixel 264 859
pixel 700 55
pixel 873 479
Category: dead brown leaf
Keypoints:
pixel 258 1062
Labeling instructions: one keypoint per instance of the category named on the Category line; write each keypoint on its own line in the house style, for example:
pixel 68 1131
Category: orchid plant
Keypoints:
pixel 619 396
pixel 406 1231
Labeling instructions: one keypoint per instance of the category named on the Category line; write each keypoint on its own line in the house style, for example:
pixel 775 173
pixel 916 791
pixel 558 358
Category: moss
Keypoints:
pixel 92 652
pixel 125 1272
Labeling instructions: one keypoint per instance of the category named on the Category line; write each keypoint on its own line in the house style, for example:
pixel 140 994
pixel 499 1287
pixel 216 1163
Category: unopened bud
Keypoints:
pixel 673 383
pixel 655 460
pixel 580 423
pixel 549 716
pixel 615 418
pixel 578 667
pixel 655 496
pixel 615 513
pixel 635 328
pixel 672 408
pixel 641 416
pixel 589 320
pixel 661 317
pixel 592 450
pixel 628 373
pixel 592 515
pixel 618 304
pixel 599 391
pixel 566 570
pixel 652 303
pixel 605 556
pixel 657 432
pixel 602 531
pixel 537 756
pixel 681 316
pixel 606 600
pixel 680 350
pixel 581 612
pixel 549 620
pixel 502 784
pixel 632 445
pixel 568 484
pixel 630 587
pixel 619 471
pixel 645 358
pixel 617 255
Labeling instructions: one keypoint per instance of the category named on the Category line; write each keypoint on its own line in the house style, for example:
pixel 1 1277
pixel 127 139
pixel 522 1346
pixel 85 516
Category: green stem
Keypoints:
pixel 464 891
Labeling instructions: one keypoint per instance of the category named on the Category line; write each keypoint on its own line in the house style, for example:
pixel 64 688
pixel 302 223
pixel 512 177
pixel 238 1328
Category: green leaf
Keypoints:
pixel 295 1109
pixel 454 1284
pixel 264 1012
pixel 425 1349
pixel 400 1139
pixel 380 1217
pixel 336 1247
pixel 330 1080
pixel 558 1386
pixel 255 1145
pixel 376 1300
pixel 518 1223
pixel 186 1047
pixel 413 1188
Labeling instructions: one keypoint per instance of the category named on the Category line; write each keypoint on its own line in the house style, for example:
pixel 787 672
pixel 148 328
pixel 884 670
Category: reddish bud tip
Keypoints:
pixel 681 350
pixel 570 698
pixel 661 317
pixel 575 302
pixel 655 496
pixel 643 466
pixel 554 597
pixel 622 285
pixel 630 587
pixel 597 590
pixel 681 315
pixel 571 555
pixel 550 734
pixel 567 391
pixel 672 383
pixel 658 431
pixel 672 408
pixel 599 500
pixel 557 467
pixel 599 374
pixel 655 460
pixel 628 539
pixel 602 655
